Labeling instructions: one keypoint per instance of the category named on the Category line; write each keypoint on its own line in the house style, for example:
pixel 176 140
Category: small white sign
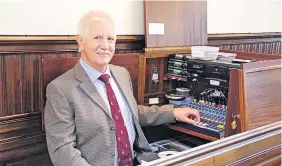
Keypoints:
pixel 214 82
pixel 155 76
pixel 156 28
pixel 153 100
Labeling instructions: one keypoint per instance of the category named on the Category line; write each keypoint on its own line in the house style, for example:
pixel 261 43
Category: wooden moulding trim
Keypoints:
pixel 135 37
pixel 17 116
pixel 243 105
pixel 275 150
pixel 261 133
pixel 59 37
pixel 19 124
pixel 192 133
pixel 243 35
pixel 20 141
pixel 247 148
pixel 262 64
pixel 164 54
pixel 23 151
pixel 233 105
pixel 141 78
pixel 262 69
pixel 168 48
pixel 155 94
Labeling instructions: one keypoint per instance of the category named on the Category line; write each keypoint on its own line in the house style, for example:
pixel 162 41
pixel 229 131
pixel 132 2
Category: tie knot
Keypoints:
pixel 104 78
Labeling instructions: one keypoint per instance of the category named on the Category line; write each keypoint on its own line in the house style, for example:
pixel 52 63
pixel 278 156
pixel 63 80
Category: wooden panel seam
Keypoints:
pixel 243 105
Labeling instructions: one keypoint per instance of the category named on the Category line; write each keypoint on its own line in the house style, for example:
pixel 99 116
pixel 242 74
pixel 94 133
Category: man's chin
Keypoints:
pixel 104 63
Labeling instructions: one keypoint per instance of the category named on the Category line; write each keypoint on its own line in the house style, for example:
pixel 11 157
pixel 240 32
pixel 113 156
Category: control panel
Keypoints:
pixel 208 82
pixel 213 119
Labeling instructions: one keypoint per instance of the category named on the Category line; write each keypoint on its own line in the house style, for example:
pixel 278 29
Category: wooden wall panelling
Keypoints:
pixel 266 48
pixel 31 77
pixel 185 23
pixel 53 67
pixel 13 84
pixel 21 88
pixel 254 87
pixel 20 81
pixel 253 55
pixel 1 85
pixel 263 95
pixel 267 43
pixel 20 131
pixel 131 62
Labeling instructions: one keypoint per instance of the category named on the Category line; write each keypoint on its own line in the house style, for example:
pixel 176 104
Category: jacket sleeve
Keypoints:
pixel 60 129
pixel 154 115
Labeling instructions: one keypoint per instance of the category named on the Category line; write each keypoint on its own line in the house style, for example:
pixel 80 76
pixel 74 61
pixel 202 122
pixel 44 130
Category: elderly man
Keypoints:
pixel 91 116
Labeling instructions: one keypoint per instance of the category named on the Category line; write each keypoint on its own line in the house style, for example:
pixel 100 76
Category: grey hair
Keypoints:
pixel 82 28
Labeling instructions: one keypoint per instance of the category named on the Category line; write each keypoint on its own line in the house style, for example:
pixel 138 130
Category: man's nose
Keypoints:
pixel 105 45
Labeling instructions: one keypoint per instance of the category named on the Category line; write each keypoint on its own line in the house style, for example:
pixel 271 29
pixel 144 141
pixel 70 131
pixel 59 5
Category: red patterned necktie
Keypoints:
pixel 123 144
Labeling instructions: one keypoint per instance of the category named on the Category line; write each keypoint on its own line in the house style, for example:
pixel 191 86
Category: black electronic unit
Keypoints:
pixel 177 65
pixel 209 84
pixel 210 79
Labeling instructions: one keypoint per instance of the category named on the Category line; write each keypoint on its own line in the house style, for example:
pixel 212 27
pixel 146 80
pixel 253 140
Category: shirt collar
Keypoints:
pixel 93 73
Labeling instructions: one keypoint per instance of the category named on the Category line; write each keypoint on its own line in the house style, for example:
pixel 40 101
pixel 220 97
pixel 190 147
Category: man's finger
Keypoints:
pixel 197 118
pixel 196 115
pixel 187 120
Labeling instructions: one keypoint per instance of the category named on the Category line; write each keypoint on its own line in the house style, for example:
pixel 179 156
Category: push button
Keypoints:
pixel 112 153
pixel 113 128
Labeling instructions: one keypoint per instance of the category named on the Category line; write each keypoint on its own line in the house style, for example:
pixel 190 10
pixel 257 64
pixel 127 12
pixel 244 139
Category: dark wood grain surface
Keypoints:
pixel 20 81
pixel 185 23
pixel 235 103
pixel 263 97
pixel 253 55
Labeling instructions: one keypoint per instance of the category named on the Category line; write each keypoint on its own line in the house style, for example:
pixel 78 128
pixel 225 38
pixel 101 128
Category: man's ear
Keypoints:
pixel 79 41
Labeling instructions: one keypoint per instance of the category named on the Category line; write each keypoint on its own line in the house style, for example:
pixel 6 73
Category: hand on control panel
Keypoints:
pixel 187 115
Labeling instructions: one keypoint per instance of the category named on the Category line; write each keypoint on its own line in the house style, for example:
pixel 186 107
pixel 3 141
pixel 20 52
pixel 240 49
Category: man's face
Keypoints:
pixel 98 45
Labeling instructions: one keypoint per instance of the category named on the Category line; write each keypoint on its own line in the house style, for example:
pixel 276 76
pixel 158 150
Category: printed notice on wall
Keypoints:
pixel 156 28
pixel 153 100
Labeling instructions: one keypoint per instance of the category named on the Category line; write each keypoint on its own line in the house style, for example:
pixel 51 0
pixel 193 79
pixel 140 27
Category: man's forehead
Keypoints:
pixel 101 27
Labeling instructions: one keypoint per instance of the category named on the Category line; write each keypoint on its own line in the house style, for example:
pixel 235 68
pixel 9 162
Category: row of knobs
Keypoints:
pixel 211 116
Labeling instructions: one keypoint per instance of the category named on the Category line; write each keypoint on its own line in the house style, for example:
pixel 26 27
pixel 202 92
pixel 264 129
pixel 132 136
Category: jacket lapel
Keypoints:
pixel 123 85
pixel 87 86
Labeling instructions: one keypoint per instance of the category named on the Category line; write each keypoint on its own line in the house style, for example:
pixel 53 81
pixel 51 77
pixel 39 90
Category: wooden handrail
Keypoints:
pixel 210 148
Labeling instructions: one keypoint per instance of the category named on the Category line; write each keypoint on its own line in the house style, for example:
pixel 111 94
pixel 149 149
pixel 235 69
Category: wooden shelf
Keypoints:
pixel 174 77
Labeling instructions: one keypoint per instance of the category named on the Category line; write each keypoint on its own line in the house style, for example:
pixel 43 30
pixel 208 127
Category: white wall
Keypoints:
pixel 59 17
pixel 244 16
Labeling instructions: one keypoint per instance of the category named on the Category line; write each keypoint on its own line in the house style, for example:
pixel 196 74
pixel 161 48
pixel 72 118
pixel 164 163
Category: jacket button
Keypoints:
pixel 112 153
pixel 113 128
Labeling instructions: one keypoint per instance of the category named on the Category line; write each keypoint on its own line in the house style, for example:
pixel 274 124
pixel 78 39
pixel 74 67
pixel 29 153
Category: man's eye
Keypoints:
pixel 98 37
pixel 111 39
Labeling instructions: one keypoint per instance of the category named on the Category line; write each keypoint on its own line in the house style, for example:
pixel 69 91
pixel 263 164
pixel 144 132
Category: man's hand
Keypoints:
pixel 187 115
